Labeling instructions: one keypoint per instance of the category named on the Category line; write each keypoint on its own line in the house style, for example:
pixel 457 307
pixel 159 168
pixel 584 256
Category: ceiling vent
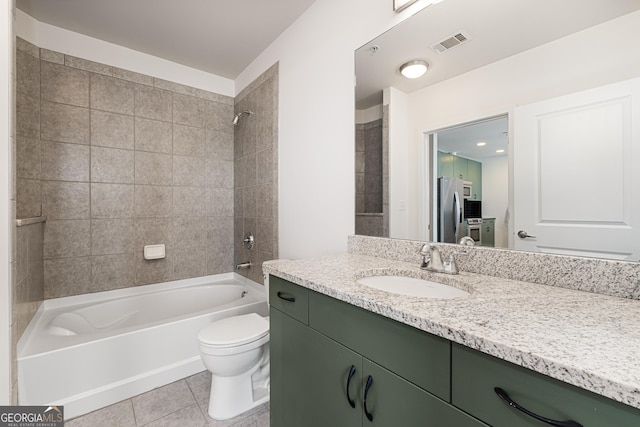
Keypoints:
pixel 452 41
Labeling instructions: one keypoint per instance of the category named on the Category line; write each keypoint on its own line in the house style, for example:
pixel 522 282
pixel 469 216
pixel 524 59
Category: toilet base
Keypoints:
pixel 230 396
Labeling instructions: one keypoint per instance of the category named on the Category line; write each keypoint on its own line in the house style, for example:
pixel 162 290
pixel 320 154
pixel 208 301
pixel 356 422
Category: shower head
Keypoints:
pixel 236 118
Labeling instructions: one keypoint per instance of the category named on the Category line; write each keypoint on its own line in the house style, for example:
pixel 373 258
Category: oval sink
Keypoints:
pixel 413 287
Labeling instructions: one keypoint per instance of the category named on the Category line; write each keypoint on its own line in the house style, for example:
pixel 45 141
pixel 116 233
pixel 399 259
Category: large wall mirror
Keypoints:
pixel 527 115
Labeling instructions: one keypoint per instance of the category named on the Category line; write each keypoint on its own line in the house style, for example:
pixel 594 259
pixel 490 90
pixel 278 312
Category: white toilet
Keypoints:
pixel 236 352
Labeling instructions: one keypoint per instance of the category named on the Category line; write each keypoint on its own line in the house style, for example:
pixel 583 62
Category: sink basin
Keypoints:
pixel 413 287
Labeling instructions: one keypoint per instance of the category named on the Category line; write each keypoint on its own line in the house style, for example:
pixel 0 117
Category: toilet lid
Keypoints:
pixel 235 330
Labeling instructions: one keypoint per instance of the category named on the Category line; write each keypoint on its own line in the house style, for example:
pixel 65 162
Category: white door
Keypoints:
pixel 577 173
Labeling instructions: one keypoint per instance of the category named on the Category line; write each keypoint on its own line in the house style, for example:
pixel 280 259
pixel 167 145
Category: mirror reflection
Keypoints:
pixel 495 60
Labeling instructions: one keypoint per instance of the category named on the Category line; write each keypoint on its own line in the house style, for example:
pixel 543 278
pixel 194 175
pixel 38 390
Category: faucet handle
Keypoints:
pixel 424 249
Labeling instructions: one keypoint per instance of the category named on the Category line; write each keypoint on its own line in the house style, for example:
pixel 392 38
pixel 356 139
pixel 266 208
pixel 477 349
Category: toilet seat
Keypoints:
pixel 234 331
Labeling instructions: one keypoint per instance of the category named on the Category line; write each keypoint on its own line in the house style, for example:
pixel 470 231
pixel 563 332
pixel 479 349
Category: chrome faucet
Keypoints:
pixel 432 260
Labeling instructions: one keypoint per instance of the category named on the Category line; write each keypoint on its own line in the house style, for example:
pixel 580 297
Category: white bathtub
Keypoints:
pixel 89 351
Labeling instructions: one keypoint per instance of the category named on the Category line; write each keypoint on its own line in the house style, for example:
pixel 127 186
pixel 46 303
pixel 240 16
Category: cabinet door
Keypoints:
pixel 476 375
pixel 393 401
pixel 460 167
pixel 474 174
pixel 309 374
pixel 445 164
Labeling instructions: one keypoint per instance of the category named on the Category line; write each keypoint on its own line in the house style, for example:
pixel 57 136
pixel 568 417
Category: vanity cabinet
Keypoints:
pixel 325 351
pixel 327 362
pixel 475 377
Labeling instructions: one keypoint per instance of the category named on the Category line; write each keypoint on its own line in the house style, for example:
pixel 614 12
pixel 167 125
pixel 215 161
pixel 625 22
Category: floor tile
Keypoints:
pixel 187 417
pixel 162 401
pixel 117 415
pixel 200 384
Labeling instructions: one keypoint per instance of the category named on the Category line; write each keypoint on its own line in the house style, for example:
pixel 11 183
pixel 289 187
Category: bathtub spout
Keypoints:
pixel 243 265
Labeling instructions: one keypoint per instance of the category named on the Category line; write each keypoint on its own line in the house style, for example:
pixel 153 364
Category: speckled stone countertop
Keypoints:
pixel 586 339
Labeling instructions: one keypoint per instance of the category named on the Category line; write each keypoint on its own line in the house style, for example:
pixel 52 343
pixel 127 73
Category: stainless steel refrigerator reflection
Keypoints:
pixel 450 209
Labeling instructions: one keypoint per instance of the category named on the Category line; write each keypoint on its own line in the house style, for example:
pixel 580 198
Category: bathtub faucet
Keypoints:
pixel 243 265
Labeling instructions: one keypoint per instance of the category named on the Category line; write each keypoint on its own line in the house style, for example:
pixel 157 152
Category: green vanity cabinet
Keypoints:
pixel 476 375
pixel 311 364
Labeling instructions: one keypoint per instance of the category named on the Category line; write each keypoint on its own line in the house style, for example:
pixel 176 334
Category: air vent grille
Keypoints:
pixel 452 41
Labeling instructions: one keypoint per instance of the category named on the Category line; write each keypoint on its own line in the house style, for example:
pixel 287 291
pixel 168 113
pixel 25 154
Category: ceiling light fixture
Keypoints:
pixel 500 151
pixel 414 69
pixel 481 144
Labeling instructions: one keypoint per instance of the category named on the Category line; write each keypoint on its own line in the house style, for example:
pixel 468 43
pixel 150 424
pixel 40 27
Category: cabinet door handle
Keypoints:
pixel 286 297
pixel 505 397
pixel 351 373
pixel 366 392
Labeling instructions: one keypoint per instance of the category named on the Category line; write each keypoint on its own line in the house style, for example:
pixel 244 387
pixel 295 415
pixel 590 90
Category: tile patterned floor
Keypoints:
pixel 183 403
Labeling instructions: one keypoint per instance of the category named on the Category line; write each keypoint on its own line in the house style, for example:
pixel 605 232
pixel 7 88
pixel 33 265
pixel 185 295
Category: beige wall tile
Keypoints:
pixel 190 231
pixel 154 231
pixel 189 262
pixel 27 74
pixel 66 238
pixel 112 165
pixel 51 56
pixel 65 200
pixel 29 198
pixel 132 76
pixel 65 162
pixel 84 64
pixel 220 202
pixel 219 144
pixel 153 135
pixel 112 130
pixel 154 271
pixel 188 110
pixel 112 272
pixel 64 123
pixel 189 171
pixel 188 140
pixel 65 85
pixel 67 276
pixel 112 201
pixel 111 94
pixel 220 173
pixel 220 231
pixel 219 259
pixel 153 201
pixel 112 236
pixel 27 115
pixel 219 116
pixel 152 103
pixel 189 201
pixel 153 168
pixel 27 157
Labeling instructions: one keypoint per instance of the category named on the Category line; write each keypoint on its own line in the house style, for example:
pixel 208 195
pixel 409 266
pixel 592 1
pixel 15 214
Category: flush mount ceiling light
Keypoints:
pixel 481 144
pixel 414 69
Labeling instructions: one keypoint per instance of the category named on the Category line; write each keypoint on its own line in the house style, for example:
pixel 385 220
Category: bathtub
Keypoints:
pixel 89 351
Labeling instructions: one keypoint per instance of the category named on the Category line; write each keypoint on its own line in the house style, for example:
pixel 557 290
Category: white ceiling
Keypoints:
pixel 498 29
pixel 463 140
pixel 219 37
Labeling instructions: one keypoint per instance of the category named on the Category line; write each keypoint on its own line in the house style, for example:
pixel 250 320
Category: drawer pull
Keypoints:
pixel 366 392
pixel 286 297
pixel 351 373
pixel 505 397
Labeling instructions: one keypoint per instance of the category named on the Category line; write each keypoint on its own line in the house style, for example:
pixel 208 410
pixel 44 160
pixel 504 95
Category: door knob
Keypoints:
pixel 523 235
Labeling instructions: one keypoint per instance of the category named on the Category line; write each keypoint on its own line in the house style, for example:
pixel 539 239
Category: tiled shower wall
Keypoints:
pixel 256 173
pixel 117 160
pixel 371 218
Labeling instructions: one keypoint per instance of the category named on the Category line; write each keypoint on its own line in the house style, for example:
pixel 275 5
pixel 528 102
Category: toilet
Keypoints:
pixel 236 352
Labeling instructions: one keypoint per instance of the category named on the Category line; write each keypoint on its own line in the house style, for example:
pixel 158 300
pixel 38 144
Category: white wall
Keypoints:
pixel 54 38
pixel 590 58
pixel 495 195
pixel 6 204
pixel 316 114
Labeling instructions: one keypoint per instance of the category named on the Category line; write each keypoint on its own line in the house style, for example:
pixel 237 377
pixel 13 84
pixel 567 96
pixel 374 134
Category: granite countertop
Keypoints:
pixel 589 340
